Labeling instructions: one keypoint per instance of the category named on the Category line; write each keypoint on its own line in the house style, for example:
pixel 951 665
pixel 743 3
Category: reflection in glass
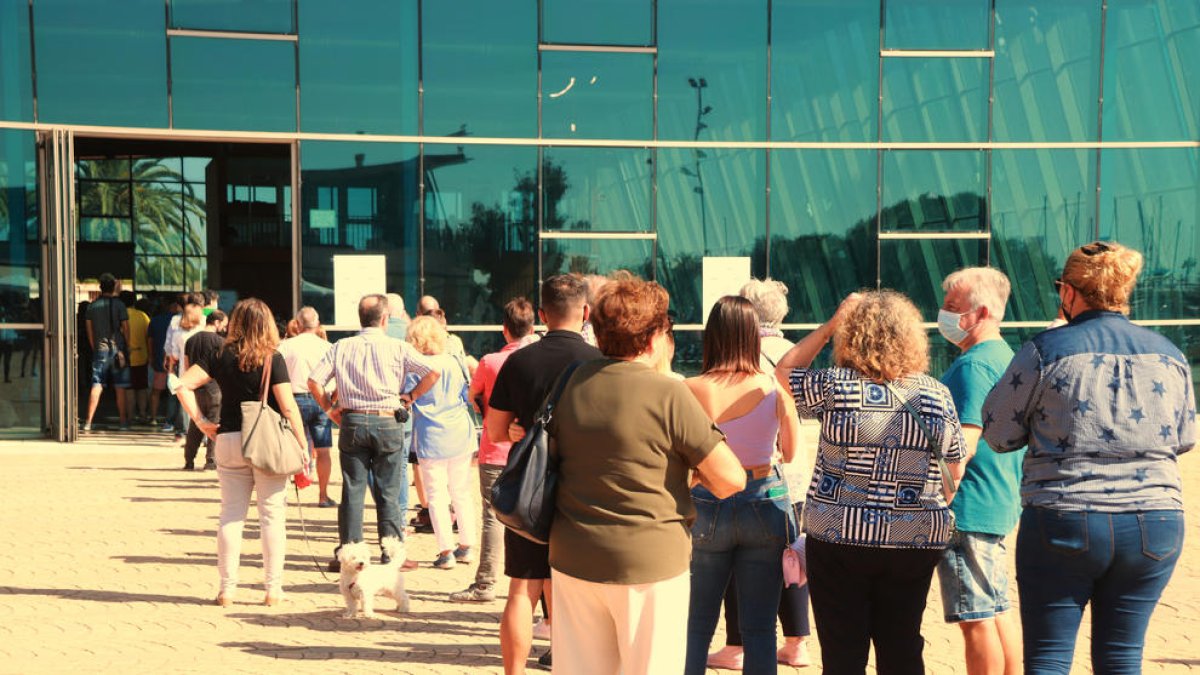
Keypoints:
pixel 260 16
pixel 939 191
pixel 597 256
pixel 822 227
pixel 1187 338
pixel 916 267
pixel 598 22
pixel 597 95
pixel 101 63
pixel 480 229
pixel 710 203
pixel 602 189
pixel 16 71
pixel 479 77
pixel 936 24
pixel 358 199
pixel 706 93
pixel 1151 84
pixel 233 84
pixel 20 253
pixel 1047 70
pixel 21 365
pixel 824 70
pixel 1149 201
pixel 155 272
pixel 935 99
pixel 1043 207
pixel 358 67
pixel 158 211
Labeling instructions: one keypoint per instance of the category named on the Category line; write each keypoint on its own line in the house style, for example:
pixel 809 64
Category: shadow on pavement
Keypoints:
pixel 408 653
pixel 387 619
pixel 104 596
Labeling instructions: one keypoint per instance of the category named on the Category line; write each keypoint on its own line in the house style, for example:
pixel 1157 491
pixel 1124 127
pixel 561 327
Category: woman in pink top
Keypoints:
pixel 742 536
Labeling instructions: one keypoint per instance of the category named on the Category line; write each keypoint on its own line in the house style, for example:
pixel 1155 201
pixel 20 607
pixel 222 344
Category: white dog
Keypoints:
pixel 361 581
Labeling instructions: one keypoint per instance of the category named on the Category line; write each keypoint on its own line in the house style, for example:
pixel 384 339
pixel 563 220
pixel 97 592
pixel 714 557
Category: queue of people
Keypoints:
pixel 676 498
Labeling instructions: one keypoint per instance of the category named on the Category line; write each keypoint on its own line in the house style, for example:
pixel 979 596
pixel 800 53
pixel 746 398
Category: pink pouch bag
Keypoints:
pixel 794 569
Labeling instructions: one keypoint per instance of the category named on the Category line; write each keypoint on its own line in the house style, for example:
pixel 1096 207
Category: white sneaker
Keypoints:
pixel 541 630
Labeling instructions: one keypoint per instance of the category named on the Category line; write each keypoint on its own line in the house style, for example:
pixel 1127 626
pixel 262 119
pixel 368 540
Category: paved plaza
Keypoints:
pixel 111 567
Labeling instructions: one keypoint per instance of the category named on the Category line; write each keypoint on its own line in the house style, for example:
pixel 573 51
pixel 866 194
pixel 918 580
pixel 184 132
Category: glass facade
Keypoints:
pixel 482 146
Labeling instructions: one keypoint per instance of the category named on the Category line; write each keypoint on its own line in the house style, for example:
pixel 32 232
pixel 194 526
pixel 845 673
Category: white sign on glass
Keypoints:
pixel 722 276
pixel 353 277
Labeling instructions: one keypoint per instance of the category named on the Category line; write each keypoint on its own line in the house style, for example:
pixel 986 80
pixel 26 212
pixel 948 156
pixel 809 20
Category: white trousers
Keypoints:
pixel 451 481
pixel 238 481
pixel 613 628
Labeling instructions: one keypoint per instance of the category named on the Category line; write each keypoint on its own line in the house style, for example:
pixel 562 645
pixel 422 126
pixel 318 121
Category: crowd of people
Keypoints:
pixel 678 498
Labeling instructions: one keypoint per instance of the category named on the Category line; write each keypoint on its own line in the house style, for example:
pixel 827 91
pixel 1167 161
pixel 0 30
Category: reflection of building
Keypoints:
pixel 864 143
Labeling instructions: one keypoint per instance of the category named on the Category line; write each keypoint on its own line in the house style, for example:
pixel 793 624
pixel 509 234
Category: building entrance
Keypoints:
pixel 170 217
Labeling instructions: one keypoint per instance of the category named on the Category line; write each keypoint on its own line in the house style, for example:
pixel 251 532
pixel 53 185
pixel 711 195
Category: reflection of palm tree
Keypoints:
pixel 168 215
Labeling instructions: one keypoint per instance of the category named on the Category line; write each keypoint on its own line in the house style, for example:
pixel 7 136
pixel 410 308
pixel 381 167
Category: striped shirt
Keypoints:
pixel 369 369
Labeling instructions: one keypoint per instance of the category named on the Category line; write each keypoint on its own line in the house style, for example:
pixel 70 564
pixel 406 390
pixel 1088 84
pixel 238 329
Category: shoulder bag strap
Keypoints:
pixel 552 399
pixel 948 486
pixel 266 379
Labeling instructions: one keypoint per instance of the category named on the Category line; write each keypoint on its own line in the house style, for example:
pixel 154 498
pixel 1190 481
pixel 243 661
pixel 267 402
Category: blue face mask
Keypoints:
pixel 948 327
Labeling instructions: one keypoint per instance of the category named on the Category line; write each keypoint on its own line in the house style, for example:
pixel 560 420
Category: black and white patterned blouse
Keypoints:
pixel 876 483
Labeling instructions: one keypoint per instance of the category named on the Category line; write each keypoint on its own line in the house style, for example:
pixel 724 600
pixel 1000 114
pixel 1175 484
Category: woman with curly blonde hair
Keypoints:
pixel 1105 408
pixel 876 518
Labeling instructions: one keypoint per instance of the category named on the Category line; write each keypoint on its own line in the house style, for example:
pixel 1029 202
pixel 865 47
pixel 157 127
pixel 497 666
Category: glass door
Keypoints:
pixel 56 173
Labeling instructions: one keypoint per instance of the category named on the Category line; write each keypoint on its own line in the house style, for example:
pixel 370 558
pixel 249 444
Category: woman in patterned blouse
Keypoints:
pixel 876 519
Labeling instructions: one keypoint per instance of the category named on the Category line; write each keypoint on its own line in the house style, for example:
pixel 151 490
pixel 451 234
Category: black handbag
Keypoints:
pixel 523 494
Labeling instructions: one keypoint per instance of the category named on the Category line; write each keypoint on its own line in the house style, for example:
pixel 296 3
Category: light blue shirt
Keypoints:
pixel 442 425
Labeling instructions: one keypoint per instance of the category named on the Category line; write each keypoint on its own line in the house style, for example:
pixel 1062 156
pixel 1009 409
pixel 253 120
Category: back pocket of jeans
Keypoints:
pixel 1064 532
pixel 1162 533
pixel 706 519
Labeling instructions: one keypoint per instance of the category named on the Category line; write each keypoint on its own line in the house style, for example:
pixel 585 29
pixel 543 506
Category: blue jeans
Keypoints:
pixel 372 446
pixel 742 536
pixel 1119 562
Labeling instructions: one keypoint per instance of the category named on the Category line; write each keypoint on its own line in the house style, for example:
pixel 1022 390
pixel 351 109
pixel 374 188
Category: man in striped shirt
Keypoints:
pixel 369 369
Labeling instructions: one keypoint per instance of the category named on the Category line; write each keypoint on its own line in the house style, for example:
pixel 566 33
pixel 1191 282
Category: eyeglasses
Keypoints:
pixel 1095 248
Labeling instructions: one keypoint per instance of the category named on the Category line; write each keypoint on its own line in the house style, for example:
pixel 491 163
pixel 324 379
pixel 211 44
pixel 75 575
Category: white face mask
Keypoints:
pixel 948 326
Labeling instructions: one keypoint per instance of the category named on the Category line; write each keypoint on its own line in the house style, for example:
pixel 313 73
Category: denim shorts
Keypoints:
pixel 105 371
pixel 316 422
pixel 974 577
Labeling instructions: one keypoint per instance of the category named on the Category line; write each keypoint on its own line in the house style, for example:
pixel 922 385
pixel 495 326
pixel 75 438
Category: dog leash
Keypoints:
pixel 304 533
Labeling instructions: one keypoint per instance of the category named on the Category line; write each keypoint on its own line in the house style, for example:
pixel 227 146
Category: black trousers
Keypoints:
pixel 210 408
pixel 863 595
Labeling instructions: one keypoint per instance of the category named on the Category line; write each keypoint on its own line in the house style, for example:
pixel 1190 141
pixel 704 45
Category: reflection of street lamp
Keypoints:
pixel 699 84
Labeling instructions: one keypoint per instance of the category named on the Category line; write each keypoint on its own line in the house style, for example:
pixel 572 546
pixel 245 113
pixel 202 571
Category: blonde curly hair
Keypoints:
pixel 427 335
pixel 882 337
pixel 1104 273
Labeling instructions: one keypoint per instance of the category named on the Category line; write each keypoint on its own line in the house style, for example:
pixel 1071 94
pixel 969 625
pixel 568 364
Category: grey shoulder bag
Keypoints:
pixel 268 443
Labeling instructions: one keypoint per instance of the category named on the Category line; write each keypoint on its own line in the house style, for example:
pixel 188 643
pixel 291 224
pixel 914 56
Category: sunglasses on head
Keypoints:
pixel 1095 248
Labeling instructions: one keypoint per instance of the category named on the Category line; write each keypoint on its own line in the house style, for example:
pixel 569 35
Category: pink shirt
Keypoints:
pixel 485 379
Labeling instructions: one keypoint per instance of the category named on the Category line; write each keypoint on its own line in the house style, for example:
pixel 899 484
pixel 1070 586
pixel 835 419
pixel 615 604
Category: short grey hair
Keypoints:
pixel 769 298
pixel 986 287
pixel 395 304
pixel 308 319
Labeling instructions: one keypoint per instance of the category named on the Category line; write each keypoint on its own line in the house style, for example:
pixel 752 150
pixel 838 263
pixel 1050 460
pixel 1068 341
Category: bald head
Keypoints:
pixel 308 319
pixel 427 304
pixel 372 310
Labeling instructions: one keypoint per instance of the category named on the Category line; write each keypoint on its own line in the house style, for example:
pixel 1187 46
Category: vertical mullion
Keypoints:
pixel 767 157
pixel 1100 114
pixel 991 93
pixel 879 152
pixel 420 150
pixel 33 65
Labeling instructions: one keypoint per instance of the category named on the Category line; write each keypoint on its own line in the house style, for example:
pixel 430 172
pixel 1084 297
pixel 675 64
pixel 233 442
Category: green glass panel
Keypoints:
pixel 1047 84
pixel 480 229
pixel 598 22
pixel 1151 83
pixel 105 229
pixel 16 71
pixel 479 343
pixel 939 191
pixel 689 351
pixel 1187 338
pixel 20 252
pixel 597 256
pixel 101 63
pixel 935 99
pixel 706 93
pixel 158 272
pixel 1043 207
pixel 158 210
pixel 1149 201
pixel 824 70
pixel 916 267
pixel 104 199
pixel 479 68
pixel 193 198
pixel 257 16
pixel 358 199
pixel 597 95
pixel 21 391
pixel 358 67
pixel 936 24
pixel 822 227
pixel 196 270
pixel 238 85
pixel 602 189
pixel 710 203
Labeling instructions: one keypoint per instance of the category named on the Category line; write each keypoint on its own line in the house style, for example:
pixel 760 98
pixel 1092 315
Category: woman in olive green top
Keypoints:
pixel 626 437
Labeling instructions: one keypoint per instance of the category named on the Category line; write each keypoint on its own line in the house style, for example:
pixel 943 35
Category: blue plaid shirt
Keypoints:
pixel 1105 407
